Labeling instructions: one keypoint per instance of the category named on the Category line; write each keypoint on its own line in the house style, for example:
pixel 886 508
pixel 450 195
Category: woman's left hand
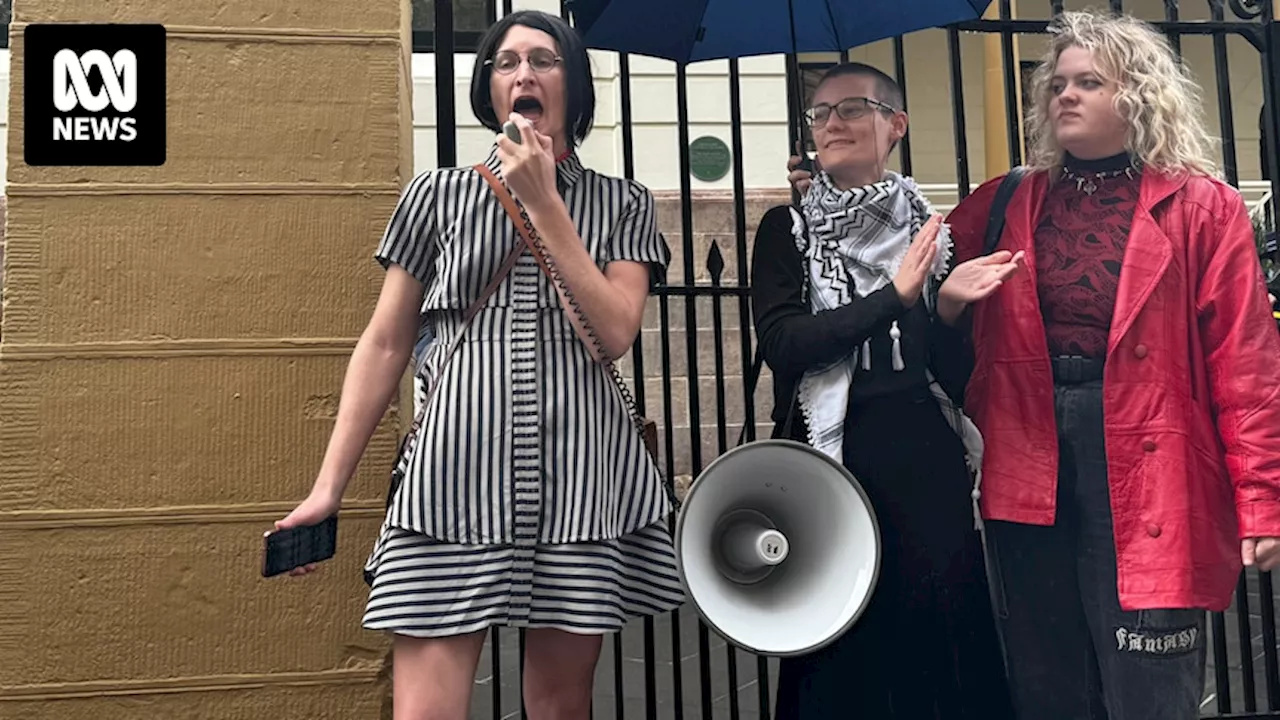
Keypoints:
pixel 1262 552
pixel 529 167
pixel 975 280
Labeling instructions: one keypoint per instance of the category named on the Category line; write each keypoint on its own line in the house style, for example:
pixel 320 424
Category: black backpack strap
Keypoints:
pixel 1004 193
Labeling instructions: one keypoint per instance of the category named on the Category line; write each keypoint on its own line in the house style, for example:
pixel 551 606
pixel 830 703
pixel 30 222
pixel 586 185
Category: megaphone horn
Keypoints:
pixel 778 547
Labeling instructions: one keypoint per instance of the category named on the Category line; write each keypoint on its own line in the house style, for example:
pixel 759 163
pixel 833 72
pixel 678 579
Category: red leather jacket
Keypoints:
pixel 1190 389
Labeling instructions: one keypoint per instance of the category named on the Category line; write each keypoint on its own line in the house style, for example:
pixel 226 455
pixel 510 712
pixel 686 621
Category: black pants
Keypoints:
pixel 1073 653
pixel 926 647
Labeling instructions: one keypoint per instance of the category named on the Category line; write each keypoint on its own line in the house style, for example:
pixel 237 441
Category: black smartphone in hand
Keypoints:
pixel 284 550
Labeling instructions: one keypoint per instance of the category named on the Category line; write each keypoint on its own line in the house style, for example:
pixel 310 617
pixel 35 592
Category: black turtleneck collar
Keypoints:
pixel 1114 163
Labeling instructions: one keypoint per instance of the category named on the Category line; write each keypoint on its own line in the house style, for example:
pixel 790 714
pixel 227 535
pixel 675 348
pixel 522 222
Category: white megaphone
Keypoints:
pixel 778 547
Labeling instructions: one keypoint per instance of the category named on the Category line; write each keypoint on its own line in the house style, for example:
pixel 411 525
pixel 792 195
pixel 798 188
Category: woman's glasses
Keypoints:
pixel 506 62
pixel 848 109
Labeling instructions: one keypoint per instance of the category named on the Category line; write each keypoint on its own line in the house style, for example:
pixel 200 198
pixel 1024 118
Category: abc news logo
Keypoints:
pixel 94 94
pixel 71 91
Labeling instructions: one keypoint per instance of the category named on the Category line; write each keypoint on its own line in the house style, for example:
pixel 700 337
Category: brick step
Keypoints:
pixel 710 445
pixel 714 211
pixel 655 399
pixel 701 251
pixel 703 312
pixel 651 354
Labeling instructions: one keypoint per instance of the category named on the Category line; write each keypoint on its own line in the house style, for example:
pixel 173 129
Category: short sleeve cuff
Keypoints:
pixel 636 237
pixel 408 240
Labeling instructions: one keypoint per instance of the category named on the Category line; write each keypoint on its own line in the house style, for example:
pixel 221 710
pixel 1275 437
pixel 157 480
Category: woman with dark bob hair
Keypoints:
pixel 526 495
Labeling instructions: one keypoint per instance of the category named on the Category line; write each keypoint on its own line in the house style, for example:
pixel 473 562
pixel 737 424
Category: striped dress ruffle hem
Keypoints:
pixel 424 588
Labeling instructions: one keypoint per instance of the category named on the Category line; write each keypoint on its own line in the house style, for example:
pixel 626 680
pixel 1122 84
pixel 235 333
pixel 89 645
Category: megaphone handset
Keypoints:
pixel 512 132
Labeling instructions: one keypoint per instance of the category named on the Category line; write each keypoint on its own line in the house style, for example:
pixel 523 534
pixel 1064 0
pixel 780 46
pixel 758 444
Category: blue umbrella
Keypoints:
pixel 692 30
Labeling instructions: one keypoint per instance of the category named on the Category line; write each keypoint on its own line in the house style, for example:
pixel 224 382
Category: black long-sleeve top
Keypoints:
pixel 793 339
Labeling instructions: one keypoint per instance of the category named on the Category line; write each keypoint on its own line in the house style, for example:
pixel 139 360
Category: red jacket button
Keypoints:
pixel 1153 530
pixel 1140 351
pixel 1148 445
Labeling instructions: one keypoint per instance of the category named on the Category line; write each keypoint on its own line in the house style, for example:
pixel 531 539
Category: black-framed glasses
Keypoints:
pixel 850 108
pixel 506 62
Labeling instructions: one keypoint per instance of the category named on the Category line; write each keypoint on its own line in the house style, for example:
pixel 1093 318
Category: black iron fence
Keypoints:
pixel 673 666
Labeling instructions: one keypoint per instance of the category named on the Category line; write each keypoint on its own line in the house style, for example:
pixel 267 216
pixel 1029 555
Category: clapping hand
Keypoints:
pixel 975 280
pixel 918 262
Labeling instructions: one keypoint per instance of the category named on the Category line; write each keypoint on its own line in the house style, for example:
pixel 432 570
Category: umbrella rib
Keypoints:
pixel 835 29
pixel 791 21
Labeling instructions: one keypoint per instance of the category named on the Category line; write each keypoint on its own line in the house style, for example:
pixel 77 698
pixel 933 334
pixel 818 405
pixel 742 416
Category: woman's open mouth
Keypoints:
pixel 529 107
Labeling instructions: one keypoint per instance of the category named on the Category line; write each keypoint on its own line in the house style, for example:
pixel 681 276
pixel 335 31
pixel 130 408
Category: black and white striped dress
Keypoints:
pixel 529 499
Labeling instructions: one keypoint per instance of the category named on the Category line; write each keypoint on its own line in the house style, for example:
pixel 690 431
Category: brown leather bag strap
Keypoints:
pixel 474 309
pixel 513 210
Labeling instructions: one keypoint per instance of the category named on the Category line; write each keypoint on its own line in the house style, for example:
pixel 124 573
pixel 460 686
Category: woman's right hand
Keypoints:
pixel 318 506
pixel 799 178
pixel 918 262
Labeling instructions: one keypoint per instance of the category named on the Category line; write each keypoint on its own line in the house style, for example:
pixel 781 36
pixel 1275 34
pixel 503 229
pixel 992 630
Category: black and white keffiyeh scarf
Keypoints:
pixel 853 241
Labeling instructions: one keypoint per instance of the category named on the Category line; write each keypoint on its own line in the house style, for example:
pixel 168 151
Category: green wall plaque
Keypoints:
pixel 709 158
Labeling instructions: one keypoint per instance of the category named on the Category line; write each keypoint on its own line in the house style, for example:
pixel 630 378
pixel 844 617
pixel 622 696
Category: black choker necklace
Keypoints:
pixel 1087 182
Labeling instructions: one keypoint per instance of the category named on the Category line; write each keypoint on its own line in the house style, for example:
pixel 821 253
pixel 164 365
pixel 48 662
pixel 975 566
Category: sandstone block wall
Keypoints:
pixel 172 346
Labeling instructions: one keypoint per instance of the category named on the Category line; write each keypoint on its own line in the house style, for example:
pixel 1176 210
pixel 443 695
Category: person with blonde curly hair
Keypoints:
pixel 1125 384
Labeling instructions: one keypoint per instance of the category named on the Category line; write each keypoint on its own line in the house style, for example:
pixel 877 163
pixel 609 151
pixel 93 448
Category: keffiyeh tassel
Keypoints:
pixel 896 334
